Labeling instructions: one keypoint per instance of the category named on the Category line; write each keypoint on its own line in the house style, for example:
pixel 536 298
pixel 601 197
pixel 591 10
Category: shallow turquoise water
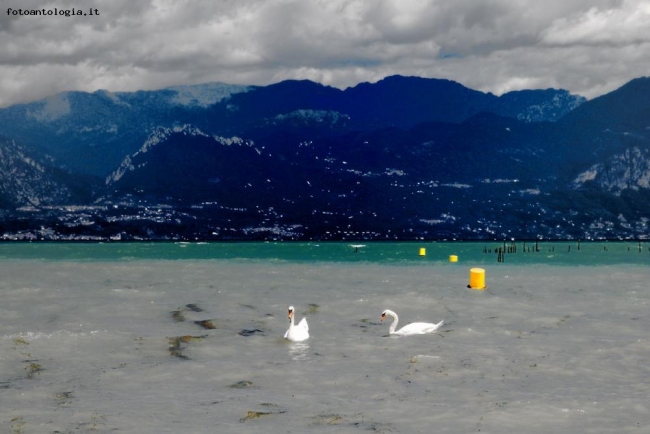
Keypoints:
pixel 408 253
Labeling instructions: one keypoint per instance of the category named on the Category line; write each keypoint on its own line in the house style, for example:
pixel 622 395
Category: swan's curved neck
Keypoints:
pixel 393 325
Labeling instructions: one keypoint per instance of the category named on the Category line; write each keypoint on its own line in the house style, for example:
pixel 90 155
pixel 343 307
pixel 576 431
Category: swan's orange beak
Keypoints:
pixel 383 316
pixel 290 314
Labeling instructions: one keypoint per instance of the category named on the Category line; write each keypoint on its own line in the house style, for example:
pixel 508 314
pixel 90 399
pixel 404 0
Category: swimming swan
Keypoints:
pixel 416 328
pixel 298 332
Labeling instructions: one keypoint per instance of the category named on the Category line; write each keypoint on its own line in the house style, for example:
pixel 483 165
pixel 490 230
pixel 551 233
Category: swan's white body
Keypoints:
pixel 416 328
pixel 298 332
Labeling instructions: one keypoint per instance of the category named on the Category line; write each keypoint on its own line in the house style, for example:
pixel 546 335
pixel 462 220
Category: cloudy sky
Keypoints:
pixel 589 47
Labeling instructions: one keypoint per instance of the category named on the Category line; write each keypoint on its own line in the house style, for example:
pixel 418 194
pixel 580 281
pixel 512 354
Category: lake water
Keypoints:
pixel 187 338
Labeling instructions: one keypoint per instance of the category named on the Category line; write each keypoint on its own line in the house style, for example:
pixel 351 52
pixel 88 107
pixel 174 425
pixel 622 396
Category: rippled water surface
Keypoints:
pixel 139 344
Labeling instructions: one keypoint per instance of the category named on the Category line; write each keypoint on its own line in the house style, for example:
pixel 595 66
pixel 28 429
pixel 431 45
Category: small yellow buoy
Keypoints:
pixel 423 251
pixel 477 278
pixel 453 258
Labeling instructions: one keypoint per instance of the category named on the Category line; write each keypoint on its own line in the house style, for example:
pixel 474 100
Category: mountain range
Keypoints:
pixel 404 158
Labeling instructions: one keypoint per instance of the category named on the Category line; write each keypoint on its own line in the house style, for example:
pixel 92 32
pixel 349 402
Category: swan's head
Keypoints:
pixel 385 314
pixel 290 312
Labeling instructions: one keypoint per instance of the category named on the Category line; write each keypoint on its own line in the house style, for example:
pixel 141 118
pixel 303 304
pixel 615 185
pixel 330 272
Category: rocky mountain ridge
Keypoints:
pixel 405 158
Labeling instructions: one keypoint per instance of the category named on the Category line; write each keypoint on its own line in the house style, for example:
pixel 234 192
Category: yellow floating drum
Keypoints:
pixel 477 278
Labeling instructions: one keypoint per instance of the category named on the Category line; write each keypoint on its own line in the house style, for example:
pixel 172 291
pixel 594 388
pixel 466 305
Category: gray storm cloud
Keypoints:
pixel 588 47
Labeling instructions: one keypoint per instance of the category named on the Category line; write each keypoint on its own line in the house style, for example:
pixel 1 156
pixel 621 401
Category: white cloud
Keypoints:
pixel 587 46
pixel 609 27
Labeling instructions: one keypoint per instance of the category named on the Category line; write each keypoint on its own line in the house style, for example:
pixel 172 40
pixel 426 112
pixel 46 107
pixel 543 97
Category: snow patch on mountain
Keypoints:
pixel 561 103
pixel 25 181
pixel 628 169
pixel 328 117
pixel 160 135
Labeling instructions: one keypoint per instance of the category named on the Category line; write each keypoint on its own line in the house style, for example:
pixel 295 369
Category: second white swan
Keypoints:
pixel 298 332
pixel 416 328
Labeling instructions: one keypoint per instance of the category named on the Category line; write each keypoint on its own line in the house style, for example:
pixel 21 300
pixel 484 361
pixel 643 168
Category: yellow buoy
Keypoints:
pixel 477 278
pixel 453 258
pixel 423 251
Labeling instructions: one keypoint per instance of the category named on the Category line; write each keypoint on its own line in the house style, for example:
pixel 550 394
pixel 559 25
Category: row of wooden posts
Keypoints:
pixel 512 248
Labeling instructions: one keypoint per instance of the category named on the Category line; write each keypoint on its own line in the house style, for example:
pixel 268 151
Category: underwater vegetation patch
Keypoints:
pixel 206 324
pixel 20 341
pixel 241 384
pixel 250 332
pixel 357 421
pixel 63 398
pixel 178 315
pixel 257 414
pixel 193 307
pixel 18 425
pixel 33 368
pixel 177 345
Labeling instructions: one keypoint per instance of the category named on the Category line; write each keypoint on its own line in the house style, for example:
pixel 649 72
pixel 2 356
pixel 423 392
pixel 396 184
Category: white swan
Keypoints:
pixel 298 332
pixel 416 328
